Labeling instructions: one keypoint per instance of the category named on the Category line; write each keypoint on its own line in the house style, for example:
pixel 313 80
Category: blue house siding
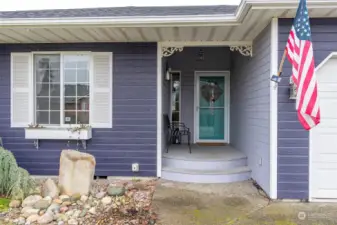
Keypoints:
pixel 293 140
pixel 133 136
pixel 250 107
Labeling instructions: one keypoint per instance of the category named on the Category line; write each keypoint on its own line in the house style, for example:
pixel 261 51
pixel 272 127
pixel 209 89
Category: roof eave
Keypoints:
pixel 162 21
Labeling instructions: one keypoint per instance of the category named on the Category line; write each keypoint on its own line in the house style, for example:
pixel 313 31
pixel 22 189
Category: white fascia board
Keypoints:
pixel 291 4
pixel 123 22
pixel 183 20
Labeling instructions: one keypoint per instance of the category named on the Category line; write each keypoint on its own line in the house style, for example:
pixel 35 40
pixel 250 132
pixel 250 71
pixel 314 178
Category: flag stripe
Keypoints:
pixel 300 54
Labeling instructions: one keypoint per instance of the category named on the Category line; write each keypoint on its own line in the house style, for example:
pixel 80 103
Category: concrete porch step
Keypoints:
pixel 205 164
pixel 207 176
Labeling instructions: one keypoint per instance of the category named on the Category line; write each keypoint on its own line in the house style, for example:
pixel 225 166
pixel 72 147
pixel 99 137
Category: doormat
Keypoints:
pixel 211 144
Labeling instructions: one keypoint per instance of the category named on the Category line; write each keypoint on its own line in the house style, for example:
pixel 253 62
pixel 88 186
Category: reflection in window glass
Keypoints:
pixel 175 97
pixel 47 87
pixel 76 89
pixel 49 90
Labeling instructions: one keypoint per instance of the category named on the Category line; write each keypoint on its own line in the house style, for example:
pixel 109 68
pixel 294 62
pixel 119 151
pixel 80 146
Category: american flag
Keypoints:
pixel 300 55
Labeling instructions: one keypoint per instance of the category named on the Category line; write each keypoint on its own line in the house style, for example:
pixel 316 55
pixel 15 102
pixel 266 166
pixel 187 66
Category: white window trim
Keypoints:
pixel 32 98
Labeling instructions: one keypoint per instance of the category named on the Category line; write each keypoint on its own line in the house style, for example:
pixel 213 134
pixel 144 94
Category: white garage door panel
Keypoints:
pixel 329 165
pixel 323 188
pixel 327 161
pixel 328 108
pixel 326 128
pixel 327 87
pixel 328 71
pixel 328 95
pixel 323 143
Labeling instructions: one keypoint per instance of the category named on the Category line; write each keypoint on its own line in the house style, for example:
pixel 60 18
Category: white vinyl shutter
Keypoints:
pixel 101 100
pixel 21 89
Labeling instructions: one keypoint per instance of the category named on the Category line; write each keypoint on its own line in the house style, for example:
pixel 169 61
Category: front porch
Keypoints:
pixel 222 95
pixel 206 164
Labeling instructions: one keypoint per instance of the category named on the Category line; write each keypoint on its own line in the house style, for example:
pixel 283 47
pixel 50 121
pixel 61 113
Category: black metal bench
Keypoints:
pixel 175 132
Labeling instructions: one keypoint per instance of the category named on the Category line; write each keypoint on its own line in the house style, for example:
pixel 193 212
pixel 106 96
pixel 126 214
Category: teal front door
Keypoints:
pixel 211 107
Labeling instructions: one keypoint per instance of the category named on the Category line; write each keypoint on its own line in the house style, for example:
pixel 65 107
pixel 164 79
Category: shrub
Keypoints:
pixel 15 182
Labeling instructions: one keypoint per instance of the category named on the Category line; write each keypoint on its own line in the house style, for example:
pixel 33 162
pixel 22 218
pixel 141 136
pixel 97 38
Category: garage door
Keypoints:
pixel 324 137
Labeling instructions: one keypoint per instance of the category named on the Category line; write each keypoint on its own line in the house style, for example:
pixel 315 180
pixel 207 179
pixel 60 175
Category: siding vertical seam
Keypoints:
pixel 273 108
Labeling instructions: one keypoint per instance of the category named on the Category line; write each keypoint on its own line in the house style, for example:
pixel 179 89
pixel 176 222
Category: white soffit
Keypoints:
pixel 251 18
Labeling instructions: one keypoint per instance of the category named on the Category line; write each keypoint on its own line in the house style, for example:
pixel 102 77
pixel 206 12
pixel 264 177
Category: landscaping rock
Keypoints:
pixel 70 213
pixel 66 203
pixel 15 204
pixel 49 199
pixel 62 217
pixel 75 197
pixel 42 204
pixel 84 198
pixel 46 218
pixel 54 208
pixel 64 198
pixel 100 195
pixel 86 210
pixel 83 213
pixel 116 190
pixel 92 210
pixel 64 209
pixel 77 170
pixel 58 201
pixel 28 211
pixel 76 214
pixel 72 222
pixel 32 218
pixel 106 200
pixel 21 221
pixel 31 200
pixel 50 189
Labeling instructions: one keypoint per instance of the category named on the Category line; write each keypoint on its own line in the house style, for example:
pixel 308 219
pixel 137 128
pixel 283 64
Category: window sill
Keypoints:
pixel 57 134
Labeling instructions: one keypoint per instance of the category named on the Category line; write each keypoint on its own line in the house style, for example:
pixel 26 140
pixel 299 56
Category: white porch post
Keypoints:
pixel 273 109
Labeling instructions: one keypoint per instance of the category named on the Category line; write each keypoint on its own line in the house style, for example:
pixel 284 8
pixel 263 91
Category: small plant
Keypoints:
pixel 135 179
pixel 79 128
pixel 34 126
pixel 4 204
pixel 15 182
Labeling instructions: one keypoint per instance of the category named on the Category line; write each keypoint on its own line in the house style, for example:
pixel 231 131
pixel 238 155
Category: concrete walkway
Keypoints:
pixel 236 203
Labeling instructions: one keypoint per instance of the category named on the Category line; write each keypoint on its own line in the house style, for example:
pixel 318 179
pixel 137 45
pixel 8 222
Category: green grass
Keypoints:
pixel 4 204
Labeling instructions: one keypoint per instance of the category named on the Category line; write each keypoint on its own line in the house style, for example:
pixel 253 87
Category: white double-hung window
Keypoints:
pixel 60 89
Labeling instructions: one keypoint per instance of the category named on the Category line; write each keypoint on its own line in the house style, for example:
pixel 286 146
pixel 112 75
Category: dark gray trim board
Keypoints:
pixel 293 140
pixel 133 137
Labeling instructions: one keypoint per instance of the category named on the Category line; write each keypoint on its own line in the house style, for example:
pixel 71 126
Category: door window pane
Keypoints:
pixel 211 110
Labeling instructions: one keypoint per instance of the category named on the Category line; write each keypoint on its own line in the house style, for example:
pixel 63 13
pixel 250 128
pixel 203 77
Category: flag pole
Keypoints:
pixel 282 62
pixel 277 78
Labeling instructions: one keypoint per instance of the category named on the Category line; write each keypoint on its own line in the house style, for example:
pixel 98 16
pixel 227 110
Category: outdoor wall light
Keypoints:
pixel 168 72
pixel 292 89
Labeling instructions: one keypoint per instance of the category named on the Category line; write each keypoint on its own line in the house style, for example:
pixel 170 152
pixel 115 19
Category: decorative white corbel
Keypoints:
pixel 246 50
pixel 168 51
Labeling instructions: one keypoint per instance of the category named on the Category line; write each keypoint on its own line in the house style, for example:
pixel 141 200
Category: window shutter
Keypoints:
pixel 21 89
pixel 101 91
